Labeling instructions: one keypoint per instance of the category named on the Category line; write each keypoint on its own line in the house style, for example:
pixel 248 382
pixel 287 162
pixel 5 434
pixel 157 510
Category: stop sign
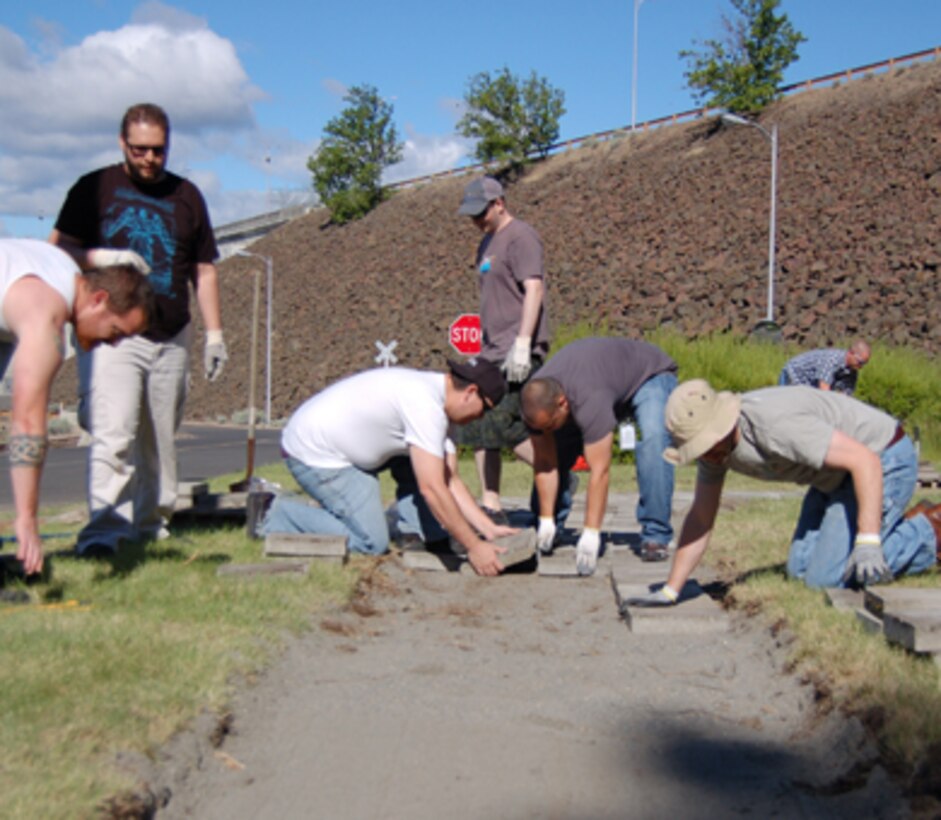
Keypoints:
pixel 465 335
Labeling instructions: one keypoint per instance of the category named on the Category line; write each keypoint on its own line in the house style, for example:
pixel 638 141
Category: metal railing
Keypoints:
pixel 686 116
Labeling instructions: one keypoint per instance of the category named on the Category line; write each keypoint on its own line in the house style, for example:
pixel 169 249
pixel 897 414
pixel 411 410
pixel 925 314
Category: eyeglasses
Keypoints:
pixel 141 151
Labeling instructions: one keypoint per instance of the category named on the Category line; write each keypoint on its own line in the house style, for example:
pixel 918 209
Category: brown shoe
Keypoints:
pixel 918 509
pixel 933 515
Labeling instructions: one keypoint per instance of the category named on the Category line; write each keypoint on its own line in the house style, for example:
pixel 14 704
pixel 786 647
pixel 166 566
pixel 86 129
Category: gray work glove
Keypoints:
pixel 664 596
pixel 106 257
pixel 519 360
pixel 866 565
pixel 215 356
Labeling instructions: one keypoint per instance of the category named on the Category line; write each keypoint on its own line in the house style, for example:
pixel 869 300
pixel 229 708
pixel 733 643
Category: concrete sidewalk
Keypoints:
pixel 445 695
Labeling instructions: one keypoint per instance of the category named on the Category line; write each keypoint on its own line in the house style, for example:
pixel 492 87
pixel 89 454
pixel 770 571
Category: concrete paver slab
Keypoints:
pixel 696 613
pixel 917 631
pixel 844 598
pixel 307 545
pixel 268 568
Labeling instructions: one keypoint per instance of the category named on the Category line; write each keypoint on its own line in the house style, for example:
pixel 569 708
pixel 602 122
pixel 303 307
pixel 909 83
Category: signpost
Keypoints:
pixel 465 335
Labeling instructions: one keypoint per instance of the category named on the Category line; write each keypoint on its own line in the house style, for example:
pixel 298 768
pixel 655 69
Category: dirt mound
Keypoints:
pixel 667 228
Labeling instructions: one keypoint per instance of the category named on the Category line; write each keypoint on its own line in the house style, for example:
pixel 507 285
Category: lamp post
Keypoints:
pixel 637 5
pixel 268 295
pixel 772 137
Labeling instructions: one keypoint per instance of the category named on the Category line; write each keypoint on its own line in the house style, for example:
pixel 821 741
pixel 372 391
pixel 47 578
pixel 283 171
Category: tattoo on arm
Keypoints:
pixel 27 451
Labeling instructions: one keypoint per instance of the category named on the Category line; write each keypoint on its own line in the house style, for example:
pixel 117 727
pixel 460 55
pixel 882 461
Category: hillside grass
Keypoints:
pixel 904 383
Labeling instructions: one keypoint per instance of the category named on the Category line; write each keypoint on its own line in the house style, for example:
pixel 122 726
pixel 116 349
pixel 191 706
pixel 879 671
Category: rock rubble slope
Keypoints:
pixel 663 229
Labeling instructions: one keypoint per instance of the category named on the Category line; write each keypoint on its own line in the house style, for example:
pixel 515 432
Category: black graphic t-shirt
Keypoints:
pixel 166 223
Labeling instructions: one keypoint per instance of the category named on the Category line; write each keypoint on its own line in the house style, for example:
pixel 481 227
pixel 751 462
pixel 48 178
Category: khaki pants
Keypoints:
pixel 131 402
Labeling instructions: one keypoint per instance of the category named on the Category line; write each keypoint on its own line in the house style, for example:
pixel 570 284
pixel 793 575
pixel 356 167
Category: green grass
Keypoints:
pixel 117 657
pixel 905 383
pixel 110 658
pixel 894 692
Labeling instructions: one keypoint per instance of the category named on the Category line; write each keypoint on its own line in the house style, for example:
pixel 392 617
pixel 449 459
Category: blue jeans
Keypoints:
pixel 826 528
pixel 351 506
pixel 654 474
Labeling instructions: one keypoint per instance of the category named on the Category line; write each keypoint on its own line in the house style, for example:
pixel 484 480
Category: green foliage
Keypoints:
pixel 509 118
pixel 904 383
pixel 743 72
pixel 359 144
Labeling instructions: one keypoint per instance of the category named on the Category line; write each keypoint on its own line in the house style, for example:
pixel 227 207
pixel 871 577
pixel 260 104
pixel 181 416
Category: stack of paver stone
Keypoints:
pixel 907 616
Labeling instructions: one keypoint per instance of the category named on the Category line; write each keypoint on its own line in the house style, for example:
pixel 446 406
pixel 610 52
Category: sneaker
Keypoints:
pixel 96 552
pixel 409 542
pixel 920 508
pixel 257 505
pixel 652 551
pixel 498 517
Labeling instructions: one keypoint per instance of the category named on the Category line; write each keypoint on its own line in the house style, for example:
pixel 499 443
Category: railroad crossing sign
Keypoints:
pixel 386 357
pixel 465 335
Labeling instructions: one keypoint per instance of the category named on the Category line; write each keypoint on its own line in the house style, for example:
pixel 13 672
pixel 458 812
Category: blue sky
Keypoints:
pixel 250 86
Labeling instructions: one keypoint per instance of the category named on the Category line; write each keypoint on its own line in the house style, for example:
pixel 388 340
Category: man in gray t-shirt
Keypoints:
pixel 573 403
pixel 860 465
pixel 514 324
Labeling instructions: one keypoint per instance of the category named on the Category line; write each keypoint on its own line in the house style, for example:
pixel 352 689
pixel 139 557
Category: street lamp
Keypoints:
pixel 637 5
pixel 268 295
pixel 772 137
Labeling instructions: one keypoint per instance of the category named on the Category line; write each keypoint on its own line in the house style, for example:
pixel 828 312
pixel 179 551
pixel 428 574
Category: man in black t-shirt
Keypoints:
pixel 132 394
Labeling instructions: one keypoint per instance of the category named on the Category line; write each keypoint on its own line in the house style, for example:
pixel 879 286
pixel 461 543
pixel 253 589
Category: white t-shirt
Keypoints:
pixel 366 419
pixel 24 257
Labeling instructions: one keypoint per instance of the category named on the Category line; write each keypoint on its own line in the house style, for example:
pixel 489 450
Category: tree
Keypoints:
pixel 359 144
pixel 511 119
pixel 743 72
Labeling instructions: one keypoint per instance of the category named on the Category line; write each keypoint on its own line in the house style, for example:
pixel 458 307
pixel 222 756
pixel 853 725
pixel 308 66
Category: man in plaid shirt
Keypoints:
pixel 827 369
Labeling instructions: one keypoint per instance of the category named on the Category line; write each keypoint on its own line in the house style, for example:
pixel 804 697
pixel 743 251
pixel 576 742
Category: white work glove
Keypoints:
pixel 665 596
pixel 215 356
pixel 586 551
pixel 518 361
pixel 106 257
pixel 545 535
pixel 866 564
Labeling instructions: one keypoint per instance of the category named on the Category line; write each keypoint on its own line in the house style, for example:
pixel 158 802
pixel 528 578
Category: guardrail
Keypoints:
pixel 672 119
pixel 685 116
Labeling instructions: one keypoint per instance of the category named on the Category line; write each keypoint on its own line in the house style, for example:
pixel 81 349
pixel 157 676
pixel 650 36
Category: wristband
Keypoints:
pixel 869 539
pixel 671 594
pixel 214 337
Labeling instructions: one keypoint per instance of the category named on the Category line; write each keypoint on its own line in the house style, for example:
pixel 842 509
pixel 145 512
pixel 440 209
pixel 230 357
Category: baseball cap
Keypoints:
pixel 698 418
pixel 486 375
pixel 478 195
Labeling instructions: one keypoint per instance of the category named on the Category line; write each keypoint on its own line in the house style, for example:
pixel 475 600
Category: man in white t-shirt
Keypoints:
pixel 42 290
pixel 394 418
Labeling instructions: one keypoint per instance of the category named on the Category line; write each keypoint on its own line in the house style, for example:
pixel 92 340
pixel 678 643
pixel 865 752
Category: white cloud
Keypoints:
pixel 427 154
pixel 60 109
pixel 335 87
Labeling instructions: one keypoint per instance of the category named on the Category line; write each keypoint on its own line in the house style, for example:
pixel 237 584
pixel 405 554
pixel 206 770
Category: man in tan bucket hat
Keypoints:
pixel 860 465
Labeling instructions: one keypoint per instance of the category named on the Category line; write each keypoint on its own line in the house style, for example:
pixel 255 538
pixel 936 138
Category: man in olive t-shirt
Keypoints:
pixel 860 465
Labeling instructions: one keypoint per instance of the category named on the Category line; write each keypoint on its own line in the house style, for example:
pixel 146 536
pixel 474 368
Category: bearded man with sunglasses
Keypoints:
pixel 132 394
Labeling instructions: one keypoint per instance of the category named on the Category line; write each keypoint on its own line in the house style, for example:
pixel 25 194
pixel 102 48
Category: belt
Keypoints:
pixel 899 435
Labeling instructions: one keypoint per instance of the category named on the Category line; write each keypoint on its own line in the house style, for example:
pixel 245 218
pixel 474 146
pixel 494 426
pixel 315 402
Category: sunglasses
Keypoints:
pixel 141 151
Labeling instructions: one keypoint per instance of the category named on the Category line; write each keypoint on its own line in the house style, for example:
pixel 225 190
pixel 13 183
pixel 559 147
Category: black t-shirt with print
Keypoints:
pixel 167 223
